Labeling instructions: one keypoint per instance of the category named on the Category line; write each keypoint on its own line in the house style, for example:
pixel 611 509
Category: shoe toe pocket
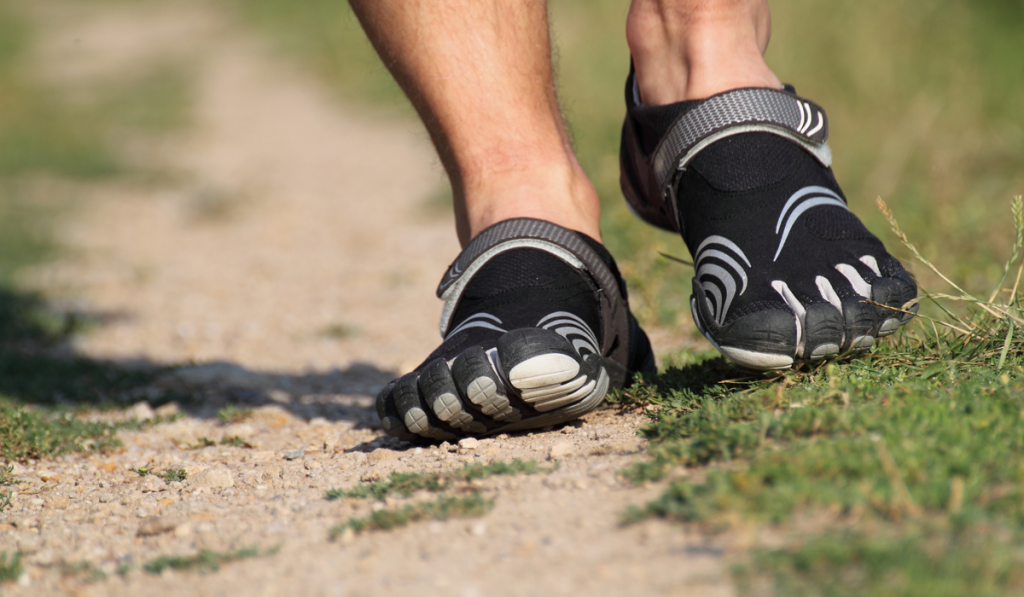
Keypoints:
pixel 763 340
pixel 894 292
pixel 437 386
pixel 413 410
pixel 861 321
pixel 823 331
pixel 390 420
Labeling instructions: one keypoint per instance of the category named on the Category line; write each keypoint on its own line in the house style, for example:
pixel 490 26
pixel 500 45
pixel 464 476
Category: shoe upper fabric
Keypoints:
pixel 575 249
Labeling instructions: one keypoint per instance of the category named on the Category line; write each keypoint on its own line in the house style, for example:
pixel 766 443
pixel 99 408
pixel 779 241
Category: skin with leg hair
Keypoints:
pixel 693 49
pixel 479 73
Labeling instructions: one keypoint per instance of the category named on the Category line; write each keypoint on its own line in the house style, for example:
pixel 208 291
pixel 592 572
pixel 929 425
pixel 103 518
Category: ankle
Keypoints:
pixel 559 193
pixel 693 53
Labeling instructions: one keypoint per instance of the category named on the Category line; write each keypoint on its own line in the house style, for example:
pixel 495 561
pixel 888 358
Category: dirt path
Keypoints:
pixel 295 267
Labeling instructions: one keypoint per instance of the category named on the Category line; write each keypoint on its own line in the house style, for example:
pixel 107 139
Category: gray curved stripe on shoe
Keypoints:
pixel 565 244
pixel 741 111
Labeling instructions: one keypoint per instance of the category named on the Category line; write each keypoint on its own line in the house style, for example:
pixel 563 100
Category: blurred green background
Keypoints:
pixel 924 99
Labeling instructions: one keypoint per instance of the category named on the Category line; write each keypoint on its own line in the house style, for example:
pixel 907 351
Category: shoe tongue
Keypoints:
pixel 652 122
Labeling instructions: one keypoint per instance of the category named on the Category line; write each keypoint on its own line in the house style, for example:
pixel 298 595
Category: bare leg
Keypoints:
pixel 479 74
pixel 692 49
pixel 535 325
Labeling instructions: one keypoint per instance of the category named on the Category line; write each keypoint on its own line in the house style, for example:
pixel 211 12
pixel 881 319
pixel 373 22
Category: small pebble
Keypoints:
pixel 217 476
pixel 560 450
pixel 152 483
pixel 469 443
pixel 141 411
pixel 157 525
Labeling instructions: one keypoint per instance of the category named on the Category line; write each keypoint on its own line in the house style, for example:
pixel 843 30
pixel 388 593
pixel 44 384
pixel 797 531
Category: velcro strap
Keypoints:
pixel 741 111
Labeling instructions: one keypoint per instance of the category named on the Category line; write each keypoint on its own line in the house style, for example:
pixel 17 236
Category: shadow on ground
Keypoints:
pixel 40 366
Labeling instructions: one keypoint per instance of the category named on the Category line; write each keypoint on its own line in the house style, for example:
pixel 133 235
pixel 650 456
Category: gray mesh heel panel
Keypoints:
pixel 564 244
pixel 755 109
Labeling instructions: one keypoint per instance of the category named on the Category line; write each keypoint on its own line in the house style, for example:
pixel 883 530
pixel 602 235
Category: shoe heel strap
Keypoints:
pixel 748 110
pixel 565 244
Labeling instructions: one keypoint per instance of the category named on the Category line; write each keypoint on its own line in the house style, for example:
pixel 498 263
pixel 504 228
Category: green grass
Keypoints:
pixel 442 508
pixel 83 570
pixel 206 560
pixel 10 566
pixel 897 461
pixel 977 560
pixel 406 484
pixel 37 433
pixel 169 475
pixel 233 414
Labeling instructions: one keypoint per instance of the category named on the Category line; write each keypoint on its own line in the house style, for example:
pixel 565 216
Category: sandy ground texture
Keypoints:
pixel 292 270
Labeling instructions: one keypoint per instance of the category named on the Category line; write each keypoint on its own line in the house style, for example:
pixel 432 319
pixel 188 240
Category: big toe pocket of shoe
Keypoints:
pixel 763 340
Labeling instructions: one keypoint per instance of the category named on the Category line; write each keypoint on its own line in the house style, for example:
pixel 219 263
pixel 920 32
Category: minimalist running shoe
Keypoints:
pixel 536 328
pixel 784 272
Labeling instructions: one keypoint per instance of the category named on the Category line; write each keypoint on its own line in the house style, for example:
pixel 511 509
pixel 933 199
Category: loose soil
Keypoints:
pixel 285 249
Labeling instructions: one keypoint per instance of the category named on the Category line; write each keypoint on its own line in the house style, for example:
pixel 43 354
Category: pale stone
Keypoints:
pixel 156 525
pixel 560 450
pixel 382 454
pixel 217 476
pixel 152 483
pixel 141 411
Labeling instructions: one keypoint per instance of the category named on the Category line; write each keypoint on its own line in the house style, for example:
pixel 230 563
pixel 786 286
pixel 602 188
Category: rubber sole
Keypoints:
pixel 774 361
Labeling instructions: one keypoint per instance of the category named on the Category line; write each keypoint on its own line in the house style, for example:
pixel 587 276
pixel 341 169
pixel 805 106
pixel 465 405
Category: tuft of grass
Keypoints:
pixel 233 414
pixel 172 475
pixel 83 570
pixel 406 484
pixel 10 566
pixel 169 475
pixel 202 442
pixel 5 500
pixel 206 560
pixel 442 508
pixel 339 331
pixel 31 434
pixel 6 478
pixel 235 442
